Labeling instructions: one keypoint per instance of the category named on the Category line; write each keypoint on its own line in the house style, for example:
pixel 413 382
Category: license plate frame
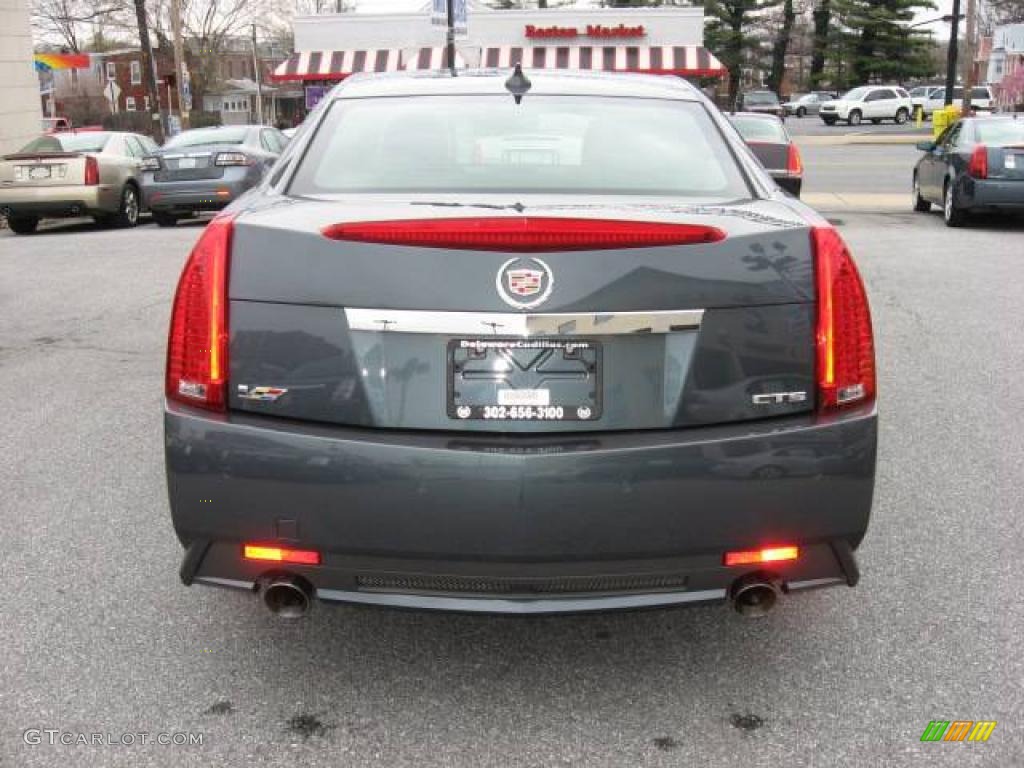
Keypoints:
pixel 569 373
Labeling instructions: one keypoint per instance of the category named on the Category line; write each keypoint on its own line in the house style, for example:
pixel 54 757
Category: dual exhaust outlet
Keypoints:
pixel 289 596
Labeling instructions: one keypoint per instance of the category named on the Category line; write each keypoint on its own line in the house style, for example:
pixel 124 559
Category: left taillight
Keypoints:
pixel 92 171
pixel 197 345
pixel 977 167
pixel 844 338
pixel 794 165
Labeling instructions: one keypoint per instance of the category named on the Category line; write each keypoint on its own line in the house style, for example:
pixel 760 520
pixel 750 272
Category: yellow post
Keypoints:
pixel 918 116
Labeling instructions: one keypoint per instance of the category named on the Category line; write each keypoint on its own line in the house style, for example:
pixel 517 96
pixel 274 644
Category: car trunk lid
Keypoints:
pixel 403 336
pixel 42 169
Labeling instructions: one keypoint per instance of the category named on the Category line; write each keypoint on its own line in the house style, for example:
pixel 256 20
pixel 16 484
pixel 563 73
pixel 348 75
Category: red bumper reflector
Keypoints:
pixel 755 556
pixel 278 555
pixel 523 234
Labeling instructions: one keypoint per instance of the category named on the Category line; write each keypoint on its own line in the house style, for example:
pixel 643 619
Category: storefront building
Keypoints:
pixel 668 41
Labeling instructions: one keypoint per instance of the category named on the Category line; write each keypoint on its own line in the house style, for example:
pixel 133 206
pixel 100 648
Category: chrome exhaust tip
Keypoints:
pixel 287 596
pixel 755 595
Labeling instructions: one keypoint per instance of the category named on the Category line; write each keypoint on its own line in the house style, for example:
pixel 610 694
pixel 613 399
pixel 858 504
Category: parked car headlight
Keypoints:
pixel 232 158
pixel 151 164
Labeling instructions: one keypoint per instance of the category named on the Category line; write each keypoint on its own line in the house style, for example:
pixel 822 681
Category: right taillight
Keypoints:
pixel 977 167
pixel 845 343
pixel 794 165
pixel 92 171
pixel 197 346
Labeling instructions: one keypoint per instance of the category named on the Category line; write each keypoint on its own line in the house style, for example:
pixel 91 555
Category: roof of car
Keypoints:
pixel 489 81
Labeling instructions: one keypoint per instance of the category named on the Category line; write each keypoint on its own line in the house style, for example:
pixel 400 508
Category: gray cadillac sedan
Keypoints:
pixel 519 343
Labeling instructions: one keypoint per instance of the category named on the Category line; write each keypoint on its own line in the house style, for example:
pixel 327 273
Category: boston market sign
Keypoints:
pixel 592 30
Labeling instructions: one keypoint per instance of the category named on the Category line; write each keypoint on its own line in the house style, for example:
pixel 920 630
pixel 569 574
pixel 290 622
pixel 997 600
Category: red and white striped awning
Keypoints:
pixel 337 65
pixel 691 60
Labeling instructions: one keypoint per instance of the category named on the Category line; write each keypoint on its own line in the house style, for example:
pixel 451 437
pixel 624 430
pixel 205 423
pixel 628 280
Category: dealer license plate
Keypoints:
pixel 498 379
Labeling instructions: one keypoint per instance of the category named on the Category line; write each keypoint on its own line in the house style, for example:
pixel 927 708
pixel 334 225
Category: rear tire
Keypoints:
pixel 128 214
pixel 801 112
pixel 23 225
pixel 952 214
pixel 902 116
pixel 830 121
pixel 165 219
pixel 854 118
pixel 920 204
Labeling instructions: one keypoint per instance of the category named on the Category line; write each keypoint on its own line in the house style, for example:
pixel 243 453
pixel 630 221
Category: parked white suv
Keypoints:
pixel 981 98
pixel 868 102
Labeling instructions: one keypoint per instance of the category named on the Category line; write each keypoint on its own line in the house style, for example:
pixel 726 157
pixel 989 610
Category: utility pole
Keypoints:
pixel 179 63
pixel 256 70
pixel 969 54
pixel 954 33
pixel 160 118
pixel 450 36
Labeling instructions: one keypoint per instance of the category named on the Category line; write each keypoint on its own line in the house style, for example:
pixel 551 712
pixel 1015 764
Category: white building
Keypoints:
pixel 19 88
pixel 667 40
pixel 1006 59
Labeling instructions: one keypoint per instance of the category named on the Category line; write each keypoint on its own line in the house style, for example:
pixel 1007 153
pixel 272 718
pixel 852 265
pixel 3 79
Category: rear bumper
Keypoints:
pixel 520 524
pixel 59 201
pixel 993 193
pixel 202 195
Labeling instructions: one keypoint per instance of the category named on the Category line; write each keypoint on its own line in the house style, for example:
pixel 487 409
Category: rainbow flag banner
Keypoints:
pixel 48 61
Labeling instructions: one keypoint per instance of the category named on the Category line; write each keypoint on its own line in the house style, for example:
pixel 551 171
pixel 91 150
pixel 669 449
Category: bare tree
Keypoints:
pixel 67 22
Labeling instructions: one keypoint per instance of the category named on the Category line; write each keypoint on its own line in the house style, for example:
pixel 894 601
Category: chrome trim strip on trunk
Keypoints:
pixel 513 324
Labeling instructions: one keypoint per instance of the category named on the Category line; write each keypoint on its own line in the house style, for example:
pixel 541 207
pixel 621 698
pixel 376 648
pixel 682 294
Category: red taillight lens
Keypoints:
pixel 794 165
pixel 755 556
pixel 197 347
pixel 523 234
pixel 92 171
pixel 278 555
pixel 978 165
pixel 845 343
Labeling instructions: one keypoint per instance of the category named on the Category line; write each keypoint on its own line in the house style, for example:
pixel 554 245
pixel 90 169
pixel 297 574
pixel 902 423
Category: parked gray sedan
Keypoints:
pixel 207 168
pixel 976 165
pixel 525 343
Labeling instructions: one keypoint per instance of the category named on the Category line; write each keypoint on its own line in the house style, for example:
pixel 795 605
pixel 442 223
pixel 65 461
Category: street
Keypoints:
pixel 98 634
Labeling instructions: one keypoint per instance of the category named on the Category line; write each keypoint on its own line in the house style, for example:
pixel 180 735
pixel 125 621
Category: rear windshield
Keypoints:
pixel 557 144
pixel 1000 133
pixel 760 97
pixel 759 129
pixel 69 142
pixel 226 135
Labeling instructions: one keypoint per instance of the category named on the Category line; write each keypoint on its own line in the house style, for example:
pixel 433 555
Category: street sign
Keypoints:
pixel 460 9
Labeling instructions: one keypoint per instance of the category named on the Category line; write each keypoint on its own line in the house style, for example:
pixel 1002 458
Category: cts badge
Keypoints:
pixel 260 394
pixel 779 398
pixel 524 282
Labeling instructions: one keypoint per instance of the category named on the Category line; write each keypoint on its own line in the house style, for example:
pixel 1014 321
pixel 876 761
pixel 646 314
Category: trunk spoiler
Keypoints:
pixel 42 155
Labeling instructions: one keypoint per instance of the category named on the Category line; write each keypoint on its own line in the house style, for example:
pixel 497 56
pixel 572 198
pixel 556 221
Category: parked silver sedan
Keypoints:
pixel 90 173
pixel 207 168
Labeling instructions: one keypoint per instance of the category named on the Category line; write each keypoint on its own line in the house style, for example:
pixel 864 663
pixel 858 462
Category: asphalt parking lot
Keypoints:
pixel 98 635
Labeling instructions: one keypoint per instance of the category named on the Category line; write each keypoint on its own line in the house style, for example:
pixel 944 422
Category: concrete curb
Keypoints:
pixel 860 202
pixel 847 139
